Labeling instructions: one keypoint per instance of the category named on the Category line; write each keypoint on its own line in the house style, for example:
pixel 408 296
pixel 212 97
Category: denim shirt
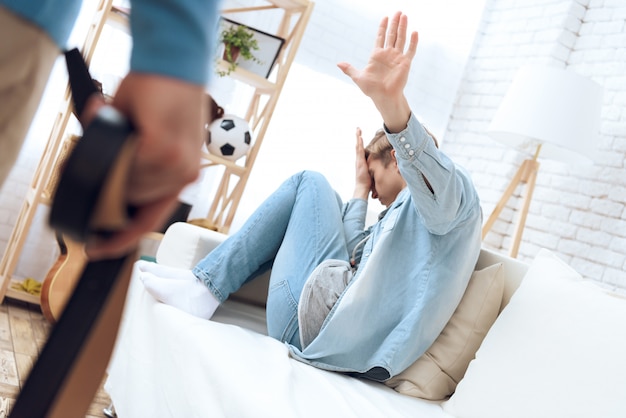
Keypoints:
pixel 174 38
pixel 412 271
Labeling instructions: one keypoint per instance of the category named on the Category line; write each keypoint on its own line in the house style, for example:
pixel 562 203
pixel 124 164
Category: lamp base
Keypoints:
pixel 526 174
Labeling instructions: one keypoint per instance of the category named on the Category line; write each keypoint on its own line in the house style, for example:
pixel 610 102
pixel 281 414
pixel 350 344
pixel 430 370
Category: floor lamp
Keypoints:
pixel 550 113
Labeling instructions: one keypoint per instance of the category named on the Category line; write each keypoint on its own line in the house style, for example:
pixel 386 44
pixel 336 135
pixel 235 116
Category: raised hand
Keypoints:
pixel 384 77
pixel 363 180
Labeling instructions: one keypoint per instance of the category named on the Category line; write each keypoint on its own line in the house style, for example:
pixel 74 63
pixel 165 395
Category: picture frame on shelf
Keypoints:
pixel 269 46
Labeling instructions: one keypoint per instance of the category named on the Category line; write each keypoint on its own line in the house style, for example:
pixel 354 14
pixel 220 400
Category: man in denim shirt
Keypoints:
pixel 415 262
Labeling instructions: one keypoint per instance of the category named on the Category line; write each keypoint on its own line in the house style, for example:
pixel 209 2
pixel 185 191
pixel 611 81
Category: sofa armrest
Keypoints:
pixel 514 271
pixel 184 244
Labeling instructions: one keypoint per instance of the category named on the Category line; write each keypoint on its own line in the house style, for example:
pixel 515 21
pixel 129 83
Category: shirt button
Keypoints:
pixel 411 152
pixel 407 146
pixel 402 139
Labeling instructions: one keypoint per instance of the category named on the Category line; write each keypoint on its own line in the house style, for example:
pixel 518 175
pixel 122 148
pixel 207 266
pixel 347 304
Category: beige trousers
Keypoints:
pixel 27 55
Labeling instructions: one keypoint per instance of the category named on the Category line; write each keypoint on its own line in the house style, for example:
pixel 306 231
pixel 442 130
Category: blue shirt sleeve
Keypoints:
pixel 55 17
pixel 453 197
pixel 354 214
pixel 174 38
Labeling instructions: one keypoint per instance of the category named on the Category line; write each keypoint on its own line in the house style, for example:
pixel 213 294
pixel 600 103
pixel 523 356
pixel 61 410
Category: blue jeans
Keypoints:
pixel 292 232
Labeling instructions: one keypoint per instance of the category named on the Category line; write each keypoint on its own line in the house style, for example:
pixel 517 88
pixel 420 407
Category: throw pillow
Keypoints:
pixel 556 350
pixel 435 375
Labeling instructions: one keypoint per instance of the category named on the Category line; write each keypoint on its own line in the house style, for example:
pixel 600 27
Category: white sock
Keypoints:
pixel 182 290
pixel 160 270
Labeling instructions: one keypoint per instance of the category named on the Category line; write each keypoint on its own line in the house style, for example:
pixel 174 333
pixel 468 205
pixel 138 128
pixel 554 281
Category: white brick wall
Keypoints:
pixel 578 212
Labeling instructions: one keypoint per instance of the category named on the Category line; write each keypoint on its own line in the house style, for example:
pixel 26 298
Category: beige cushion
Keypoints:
pixel 435 375
pixel 556 350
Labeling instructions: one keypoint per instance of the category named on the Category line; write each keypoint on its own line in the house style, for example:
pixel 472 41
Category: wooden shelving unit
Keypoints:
pixel 293 22
pixel 295 17
pixel 42 186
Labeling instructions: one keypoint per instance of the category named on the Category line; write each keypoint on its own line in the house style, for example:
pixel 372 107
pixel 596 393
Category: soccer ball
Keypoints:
pixel 229 137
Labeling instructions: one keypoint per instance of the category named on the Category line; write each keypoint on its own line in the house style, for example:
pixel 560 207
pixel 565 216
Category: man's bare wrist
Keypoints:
pixel 361 194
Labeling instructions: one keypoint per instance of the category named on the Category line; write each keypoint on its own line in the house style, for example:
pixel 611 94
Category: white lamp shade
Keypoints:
pixel 556 108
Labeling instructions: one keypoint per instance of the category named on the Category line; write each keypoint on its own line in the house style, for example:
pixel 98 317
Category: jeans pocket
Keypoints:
pixel 282 314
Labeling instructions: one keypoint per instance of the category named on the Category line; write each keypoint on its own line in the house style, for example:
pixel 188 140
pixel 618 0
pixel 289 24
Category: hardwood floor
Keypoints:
pixel 23 332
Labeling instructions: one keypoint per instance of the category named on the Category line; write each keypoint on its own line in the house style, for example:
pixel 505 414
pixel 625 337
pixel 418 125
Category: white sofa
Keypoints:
pixel 556 349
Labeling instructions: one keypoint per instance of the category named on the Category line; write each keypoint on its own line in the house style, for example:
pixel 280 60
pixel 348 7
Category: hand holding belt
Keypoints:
pixel 89 202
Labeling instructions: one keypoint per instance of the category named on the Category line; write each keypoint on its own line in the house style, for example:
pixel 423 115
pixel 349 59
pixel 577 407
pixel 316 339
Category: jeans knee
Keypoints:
pixel 312 177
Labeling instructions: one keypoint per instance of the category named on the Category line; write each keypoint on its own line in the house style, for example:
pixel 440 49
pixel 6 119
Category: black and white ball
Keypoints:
pixel 229 137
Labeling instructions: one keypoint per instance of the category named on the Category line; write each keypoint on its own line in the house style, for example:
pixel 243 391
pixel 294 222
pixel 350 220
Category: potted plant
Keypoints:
pixel 238 41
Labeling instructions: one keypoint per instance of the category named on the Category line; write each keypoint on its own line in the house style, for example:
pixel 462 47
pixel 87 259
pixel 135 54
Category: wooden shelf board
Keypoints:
pixel 21 295
pixel 291 5
pixel 237 169
pixel 119 16
pixel 263 85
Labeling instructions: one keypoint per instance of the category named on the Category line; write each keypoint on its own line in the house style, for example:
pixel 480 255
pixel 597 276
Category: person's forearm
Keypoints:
pixel 353 217
pixel 395 113
pixel 361 192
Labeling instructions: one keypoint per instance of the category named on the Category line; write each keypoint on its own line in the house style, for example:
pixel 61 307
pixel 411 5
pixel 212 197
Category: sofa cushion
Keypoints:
pixel 435 375
pixel 556 350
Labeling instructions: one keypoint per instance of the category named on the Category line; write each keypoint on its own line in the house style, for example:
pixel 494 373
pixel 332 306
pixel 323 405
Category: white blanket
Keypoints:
pixel 170 364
